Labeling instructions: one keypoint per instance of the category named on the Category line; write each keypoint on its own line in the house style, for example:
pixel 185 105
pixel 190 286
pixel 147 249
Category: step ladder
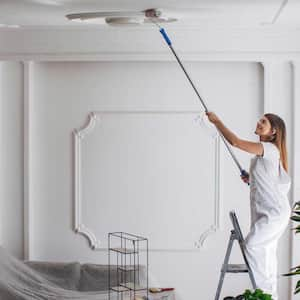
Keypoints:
pixel 236 234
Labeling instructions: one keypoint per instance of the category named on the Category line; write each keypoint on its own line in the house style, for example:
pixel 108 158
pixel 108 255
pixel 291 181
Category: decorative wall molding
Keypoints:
pixel 268 71
pixel 85 130
pixel 1 154
pixel 78 135
pixel 27 79
pixel 217 198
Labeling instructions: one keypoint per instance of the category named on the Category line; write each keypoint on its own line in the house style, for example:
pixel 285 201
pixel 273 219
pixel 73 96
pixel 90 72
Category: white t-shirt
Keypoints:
pixel 269 182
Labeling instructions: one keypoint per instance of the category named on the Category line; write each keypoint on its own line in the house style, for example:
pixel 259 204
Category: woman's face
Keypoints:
pixel 263 127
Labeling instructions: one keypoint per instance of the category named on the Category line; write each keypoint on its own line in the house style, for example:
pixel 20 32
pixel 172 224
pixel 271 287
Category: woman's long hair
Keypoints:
pixel 279 137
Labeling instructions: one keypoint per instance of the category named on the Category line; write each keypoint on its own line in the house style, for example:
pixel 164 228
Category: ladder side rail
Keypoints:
pixel 241 240
pixel 225 264
pixel 236 226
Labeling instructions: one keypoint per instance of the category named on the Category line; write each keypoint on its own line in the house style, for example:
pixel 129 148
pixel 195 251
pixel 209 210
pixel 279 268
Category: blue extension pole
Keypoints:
pixel 168 41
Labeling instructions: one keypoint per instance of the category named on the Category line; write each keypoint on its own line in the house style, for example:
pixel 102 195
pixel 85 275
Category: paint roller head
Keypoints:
pixel 152 13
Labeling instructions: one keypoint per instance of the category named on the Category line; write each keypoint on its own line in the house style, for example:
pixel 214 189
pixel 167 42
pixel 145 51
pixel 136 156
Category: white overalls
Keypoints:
pixel 270 213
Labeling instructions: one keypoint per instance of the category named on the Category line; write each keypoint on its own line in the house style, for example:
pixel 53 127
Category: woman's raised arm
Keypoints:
pixel 234 140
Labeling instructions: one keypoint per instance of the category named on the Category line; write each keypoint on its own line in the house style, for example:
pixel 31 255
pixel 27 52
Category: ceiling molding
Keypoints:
pixel 253 56
pixel 112 45
pixel 265 27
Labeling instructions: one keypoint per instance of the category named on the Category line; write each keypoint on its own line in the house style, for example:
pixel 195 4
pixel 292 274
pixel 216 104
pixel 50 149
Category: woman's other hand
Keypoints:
pixel 212 117
pixel 245 177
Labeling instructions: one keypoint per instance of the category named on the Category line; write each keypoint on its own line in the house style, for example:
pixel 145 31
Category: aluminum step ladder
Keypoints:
pixel 236 234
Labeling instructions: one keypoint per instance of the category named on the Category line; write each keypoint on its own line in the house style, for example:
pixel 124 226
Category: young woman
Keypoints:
pixel 269 185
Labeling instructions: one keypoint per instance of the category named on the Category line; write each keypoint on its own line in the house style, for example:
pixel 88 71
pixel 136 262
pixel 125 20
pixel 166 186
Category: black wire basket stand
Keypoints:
pixel 128 261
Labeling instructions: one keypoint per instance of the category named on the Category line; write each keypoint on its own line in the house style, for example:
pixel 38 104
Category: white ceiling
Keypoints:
pixel 200 13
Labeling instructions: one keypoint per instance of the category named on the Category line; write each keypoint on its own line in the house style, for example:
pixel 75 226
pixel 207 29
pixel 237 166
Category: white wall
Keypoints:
pixel 58 97
pixel 295 255
pixel 61 101
pixel 11 170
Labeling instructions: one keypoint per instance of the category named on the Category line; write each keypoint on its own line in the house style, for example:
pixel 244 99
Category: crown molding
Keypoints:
pixel 147 44
pixel 231 56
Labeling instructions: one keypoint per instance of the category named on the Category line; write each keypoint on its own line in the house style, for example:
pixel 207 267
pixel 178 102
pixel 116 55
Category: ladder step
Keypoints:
pixel 236 268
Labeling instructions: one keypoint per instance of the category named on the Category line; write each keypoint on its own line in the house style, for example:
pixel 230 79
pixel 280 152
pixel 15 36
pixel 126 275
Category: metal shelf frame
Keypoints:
pixel 125 251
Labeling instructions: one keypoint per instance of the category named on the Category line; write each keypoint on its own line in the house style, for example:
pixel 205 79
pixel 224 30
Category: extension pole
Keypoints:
pixel 168 41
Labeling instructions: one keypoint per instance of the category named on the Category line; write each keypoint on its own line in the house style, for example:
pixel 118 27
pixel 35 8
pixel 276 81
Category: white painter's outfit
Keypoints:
pixel 270 214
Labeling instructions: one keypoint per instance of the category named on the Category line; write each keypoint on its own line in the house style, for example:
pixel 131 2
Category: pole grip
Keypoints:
pixel 164 34
pixel 245 173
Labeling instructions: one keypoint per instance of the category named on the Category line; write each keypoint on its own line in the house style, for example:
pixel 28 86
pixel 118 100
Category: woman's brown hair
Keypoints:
pixel 279 137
